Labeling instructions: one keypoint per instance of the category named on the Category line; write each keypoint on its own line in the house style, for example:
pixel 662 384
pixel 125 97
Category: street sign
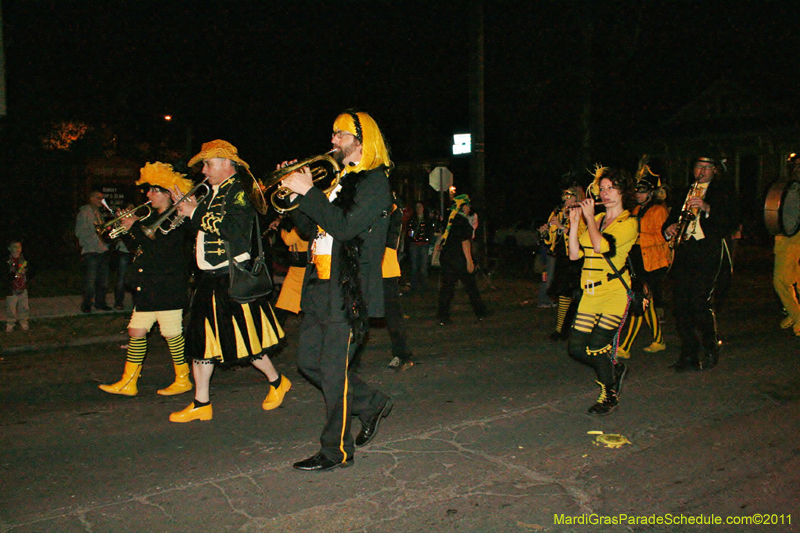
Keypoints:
pixel 441 179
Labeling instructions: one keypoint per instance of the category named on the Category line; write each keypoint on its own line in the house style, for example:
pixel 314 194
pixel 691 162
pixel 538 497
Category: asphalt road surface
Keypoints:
pixel 489 433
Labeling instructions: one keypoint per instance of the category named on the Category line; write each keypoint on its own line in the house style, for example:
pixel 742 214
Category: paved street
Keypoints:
pixel 488 434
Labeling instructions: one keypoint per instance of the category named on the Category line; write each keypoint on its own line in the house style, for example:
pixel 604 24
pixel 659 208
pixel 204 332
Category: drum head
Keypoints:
pixel 782 208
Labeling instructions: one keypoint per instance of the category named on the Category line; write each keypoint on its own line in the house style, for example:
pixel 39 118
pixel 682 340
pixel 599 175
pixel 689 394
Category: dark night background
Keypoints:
pixel 271 76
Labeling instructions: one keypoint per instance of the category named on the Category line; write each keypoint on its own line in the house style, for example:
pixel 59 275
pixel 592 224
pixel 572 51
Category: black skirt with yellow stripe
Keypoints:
pixel 226 332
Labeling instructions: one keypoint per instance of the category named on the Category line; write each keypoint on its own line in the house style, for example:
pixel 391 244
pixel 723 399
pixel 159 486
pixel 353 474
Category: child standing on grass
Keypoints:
pixel 17 298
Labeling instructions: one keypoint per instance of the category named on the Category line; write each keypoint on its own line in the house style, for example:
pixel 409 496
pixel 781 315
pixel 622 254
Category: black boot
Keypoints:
pixel 607 401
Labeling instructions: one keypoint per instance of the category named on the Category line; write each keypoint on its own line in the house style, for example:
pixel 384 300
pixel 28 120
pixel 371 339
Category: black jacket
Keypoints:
pixel 724 216
pixel 228 217
pixel 158 275
pixel 366 219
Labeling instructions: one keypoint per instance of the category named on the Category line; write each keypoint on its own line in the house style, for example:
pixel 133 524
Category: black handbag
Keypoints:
pixel 638 292
pixel 247 285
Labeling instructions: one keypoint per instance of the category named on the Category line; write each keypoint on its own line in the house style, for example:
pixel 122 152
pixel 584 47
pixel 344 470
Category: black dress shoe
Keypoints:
pixel 103 308
pixel 320 463
pixel 370 429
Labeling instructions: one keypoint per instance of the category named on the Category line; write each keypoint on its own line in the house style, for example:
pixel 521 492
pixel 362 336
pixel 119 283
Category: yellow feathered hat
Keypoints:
pixel 594 188
pixel 161 175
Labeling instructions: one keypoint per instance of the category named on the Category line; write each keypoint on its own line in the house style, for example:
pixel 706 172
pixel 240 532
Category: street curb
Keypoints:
pixel 67 344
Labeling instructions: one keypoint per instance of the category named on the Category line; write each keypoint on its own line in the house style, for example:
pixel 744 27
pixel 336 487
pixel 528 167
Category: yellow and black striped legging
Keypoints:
pixel 592 343
pixel 137 349
pixel 563 307
pixel 635 323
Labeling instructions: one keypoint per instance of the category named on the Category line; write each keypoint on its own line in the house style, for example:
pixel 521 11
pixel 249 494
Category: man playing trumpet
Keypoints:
pixel 159 279
pixel 221 331
pixel 343 283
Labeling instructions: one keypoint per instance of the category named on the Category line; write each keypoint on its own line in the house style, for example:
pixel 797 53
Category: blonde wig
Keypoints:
pixel 374 152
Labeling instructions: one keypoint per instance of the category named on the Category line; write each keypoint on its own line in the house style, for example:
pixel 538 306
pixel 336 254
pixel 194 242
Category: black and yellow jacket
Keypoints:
pixel 226 217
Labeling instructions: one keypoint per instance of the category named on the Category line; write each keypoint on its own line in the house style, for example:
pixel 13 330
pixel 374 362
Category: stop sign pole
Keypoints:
pixel 441 179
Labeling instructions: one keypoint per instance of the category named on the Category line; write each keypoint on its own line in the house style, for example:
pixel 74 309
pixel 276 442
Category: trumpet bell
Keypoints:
pixel 114 228
pixel 324 171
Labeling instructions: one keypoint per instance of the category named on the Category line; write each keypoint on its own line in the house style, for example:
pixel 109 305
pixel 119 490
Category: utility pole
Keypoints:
pixel 476 102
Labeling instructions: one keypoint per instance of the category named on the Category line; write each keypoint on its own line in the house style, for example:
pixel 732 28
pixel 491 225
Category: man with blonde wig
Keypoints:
pixel 221 331
pixel 343 284
pixel 159 278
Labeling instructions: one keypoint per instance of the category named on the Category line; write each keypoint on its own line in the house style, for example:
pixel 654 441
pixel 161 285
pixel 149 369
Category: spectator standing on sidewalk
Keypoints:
pixel 122 255
pixel 420 232
pixel 94 254
pixel 17 308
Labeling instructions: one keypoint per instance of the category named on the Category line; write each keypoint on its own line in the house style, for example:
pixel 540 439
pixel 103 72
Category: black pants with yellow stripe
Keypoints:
pixel 323 357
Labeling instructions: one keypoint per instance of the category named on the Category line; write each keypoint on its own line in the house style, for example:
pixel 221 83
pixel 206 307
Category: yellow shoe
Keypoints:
pixel 622 353
pixel 656 347
pixel 787 322
pixel 127 385
pixel 181 384
pixel 275 396
pixel 192 413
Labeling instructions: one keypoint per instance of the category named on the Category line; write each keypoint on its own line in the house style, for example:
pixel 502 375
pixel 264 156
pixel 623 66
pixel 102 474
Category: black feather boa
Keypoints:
pixel 612 245
pixel 350 267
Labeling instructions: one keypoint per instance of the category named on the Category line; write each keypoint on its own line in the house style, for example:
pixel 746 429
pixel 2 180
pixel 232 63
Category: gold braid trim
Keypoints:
pixel 602 351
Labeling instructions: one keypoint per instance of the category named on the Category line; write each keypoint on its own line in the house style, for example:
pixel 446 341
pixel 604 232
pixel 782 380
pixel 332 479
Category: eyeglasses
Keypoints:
pixel 340 134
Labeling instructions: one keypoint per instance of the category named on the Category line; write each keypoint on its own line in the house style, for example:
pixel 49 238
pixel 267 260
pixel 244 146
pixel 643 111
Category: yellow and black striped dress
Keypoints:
pixel 601 296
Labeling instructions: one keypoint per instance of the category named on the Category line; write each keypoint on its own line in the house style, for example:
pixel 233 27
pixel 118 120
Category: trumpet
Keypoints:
pixel 687 216
pixel 319 171
pixel 151 229
pixel 114 228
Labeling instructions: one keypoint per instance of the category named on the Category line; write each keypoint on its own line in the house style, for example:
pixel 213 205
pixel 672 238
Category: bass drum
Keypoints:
pixel 782 208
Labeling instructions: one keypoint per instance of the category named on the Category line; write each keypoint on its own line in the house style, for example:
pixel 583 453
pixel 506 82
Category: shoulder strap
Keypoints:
pixel 258 237
pixel 617 273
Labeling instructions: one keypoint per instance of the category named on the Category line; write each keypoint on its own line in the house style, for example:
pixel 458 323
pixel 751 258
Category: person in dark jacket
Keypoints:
pixel 456 261
pixel 159 278
pixel 343 286
pixel 220 330
pixel 420 233
pixel 702 260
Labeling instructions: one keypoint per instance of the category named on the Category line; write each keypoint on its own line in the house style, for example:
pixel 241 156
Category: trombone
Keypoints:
pixel 151 229
pixel 319 171
pixel 114 228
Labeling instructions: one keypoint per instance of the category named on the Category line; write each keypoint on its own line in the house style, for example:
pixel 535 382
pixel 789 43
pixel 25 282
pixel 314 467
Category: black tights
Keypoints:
pixel 594 349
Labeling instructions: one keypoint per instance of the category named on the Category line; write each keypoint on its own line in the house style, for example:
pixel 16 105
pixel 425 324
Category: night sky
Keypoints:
pixel 271 76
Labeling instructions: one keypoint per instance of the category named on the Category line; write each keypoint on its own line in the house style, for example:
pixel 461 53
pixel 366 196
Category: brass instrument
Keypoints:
pixel 319 172
pixel 686 217
pixel 114 228
pixel 151 229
